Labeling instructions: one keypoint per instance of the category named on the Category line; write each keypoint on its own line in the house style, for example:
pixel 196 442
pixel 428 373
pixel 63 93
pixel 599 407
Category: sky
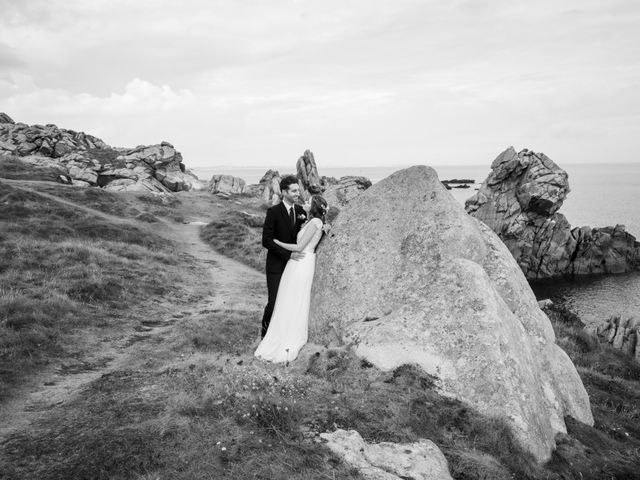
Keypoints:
pixel 358 82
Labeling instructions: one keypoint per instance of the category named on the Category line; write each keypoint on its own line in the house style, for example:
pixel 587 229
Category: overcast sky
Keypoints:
pixel 362 82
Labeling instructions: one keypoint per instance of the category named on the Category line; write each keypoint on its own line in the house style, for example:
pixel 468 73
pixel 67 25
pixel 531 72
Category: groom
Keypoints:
pixel 283 223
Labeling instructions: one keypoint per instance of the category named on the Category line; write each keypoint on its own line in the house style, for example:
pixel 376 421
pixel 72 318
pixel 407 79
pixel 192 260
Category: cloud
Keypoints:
pixel 9 58
pixel 142 113
pixel 232 80
pixel 139 96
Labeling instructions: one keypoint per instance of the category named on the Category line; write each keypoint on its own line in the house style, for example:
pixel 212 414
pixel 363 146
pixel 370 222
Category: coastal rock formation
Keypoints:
pixel 420 460
pixel 226 184
pixel 344 190
pixel 337 192
pixel 520 200
pixel 621 334
pixel 407 277
pixel 307 173
pixel 91 162
pixel 268 188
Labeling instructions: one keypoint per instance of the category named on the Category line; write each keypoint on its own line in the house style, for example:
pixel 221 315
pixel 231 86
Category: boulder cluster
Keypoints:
pixel 520 200
pixel 86 160
pixel 406 276
pixel 338 192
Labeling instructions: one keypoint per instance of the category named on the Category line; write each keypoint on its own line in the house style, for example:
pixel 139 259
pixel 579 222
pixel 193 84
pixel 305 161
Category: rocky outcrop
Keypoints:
pixel 4 118
pixel 520 200
pixel 407 277
pixel 337 192
pixel 165 162
pixel 226 184
pixel 308 178
pixel 268 188
pixel 91 162
pixel 45 140
pixel 621 334
pixel 420 460
pixel 345 190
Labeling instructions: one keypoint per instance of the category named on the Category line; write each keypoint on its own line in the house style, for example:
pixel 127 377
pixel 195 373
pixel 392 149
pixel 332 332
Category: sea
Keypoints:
pixel 601 195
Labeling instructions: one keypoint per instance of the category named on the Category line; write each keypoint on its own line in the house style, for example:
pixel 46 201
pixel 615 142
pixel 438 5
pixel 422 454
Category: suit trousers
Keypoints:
pixel 273 282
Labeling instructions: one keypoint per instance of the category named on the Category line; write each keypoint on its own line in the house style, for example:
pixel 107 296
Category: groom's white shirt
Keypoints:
pixel 288 205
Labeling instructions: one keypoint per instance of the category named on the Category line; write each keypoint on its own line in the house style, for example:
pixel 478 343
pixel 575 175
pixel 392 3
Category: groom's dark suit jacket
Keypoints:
pixel 277 225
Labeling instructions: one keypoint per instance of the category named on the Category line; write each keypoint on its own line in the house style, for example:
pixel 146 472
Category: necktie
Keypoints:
pixel 292 216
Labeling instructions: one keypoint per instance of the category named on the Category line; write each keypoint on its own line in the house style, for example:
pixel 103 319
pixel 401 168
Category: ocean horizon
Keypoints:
pixel 601 194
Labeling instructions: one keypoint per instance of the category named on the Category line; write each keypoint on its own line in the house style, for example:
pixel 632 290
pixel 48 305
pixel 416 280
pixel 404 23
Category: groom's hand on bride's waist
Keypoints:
pixel 297 255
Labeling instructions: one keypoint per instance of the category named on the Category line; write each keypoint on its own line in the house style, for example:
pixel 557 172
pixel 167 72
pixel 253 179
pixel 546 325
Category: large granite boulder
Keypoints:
pixel 341 192
pixel 226 184
pixel 520 200
pixel 308 178
pixel 421 460
pixel 91 162
pixel 407 277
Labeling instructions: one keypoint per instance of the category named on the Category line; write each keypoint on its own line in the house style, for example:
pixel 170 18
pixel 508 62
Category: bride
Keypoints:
pixel 288 329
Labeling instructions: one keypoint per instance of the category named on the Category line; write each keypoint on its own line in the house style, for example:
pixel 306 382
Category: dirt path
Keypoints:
pixel 230 285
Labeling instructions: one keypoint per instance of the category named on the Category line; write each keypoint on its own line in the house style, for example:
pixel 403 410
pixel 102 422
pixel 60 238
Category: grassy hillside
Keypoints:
pixel 63 268
pixel 190 401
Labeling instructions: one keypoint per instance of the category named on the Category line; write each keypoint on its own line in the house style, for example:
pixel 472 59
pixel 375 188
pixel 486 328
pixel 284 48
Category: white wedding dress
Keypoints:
pixel 288 329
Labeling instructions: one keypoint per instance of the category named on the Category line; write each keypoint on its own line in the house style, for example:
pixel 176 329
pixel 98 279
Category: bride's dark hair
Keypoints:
pixel 318 208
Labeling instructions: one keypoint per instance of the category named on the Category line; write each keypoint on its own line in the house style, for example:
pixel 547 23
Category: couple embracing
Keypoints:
pixel 290 234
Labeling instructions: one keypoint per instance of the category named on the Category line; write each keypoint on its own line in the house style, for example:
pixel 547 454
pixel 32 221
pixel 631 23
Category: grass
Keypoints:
pixel 27 214
pixel 328 390
pixel 13 168
pixel 237 233
pixel 63 269
pixel 611 448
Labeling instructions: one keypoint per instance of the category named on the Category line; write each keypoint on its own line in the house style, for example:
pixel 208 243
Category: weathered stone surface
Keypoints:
pixel 130 185
pixel 4 118
pixel 7 148
pixel 268 188
pixel 420 460
pixel 162 156
pixel 622 334
pixel 226 184
pixel 177 181
pixel 307 173
pixel 84 174
pixel 520 200
pixel 88 160
pixel 80 183
pixel 345 190
pixel 409 278
pixel 328 181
